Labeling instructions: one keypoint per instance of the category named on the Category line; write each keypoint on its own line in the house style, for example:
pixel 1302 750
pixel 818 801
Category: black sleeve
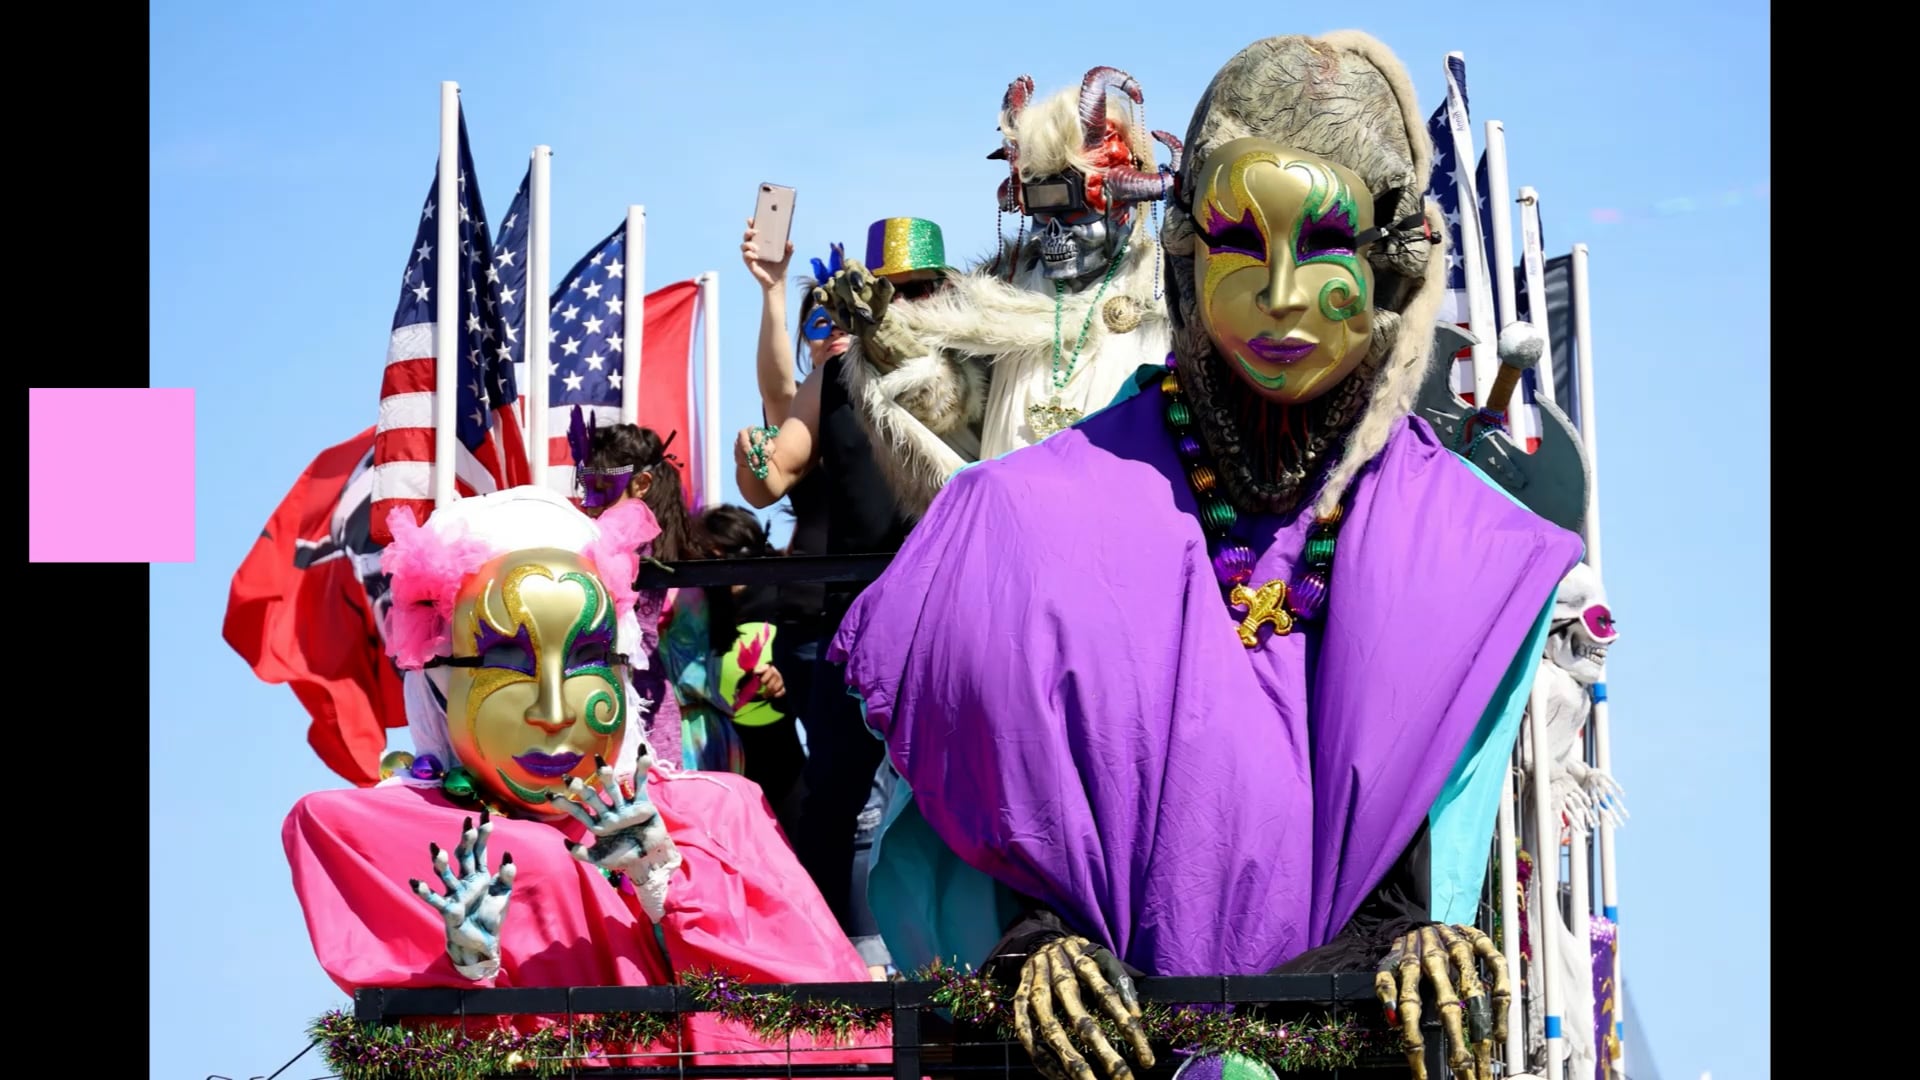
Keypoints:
pixel 1397 906
pixel 1037 925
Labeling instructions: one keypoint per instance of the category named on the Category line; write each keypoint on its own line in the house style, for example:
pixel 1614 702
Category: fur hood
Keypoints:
pixel 1345 97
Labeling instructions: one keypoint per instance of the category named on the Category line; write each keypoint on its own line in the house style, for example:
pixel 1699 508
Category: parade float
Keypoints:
pixel 585 905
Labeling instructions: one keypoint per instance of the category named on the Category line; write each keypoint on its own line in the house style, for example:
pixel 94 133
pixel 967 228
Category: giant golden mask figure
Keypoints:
pixel 1285 293
pixel 536 689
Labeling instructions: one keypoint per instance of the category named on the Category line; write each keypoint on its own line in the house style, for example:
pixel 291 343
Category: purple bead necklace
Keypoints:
pixel 1280 604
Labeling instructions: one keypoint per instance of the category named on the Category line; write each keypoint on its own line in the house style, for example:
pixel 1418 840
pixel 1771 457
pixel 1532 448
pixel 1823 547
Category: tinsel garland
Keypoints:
pixel 358 1052
pixel 391 1052
pixel 1323 1044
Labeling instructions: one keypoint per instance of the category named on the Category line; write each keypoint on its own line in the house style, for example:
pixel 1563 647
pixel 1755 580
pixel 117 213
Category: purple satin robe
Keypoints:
pixel 1058 679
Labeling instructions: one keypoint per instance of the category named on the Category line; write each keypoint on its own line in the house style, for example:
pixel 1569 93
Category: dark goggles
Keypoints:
pixel 915 290
pixel 1062 194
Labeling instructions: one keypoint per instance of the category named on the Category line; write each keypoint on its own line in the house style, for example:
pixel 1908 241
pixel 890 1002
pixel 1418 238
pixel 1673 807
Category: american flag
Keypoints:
pixel 490 453
pixel 508 275
pixel 1444 186
pixel 586 346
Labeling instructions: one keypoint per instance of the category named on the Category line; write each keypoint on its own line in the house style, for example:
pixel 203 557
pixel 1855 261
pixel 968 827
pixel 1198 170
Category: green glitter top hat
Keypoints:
pixel 903 245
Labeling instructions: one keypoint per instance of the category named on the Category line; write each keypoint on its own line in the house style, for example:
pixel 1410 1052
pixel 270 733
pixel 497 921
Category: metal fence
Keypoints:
pixel 924 1041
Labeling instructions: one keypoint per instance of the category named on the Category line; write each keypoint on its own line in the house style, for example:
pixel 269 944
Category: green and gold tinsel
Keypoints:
pixel 358 1052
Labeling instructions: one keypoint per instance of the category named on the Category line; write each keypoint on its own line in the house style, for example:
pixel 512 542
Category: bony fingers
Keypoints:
pixel 442 868
pixel 1100 970
pixel 592 797
pixel 1022 1018
pixel 579 812
pixel 480 844
pixel 604 772
pixel 421 890
pixel 1433 958
pixel 1086 1030
pixel 1049 1030
pixel 1117 975
pixel 503 881
pixel 463 851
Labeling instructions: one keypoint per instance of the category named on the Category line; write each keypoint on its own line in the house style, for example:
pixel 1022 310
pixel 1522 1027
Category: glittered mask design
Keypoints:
pixel 1285 293
pixel 536 690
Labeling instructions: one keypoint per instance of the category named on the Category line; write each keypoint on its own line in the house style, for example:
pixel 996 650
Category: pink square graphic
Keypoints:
pixel 109 475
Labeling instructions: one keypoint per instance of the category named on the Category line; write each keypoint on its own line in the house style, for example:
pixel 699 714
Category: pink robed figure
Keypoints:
pixel 740 903
pixel 734 900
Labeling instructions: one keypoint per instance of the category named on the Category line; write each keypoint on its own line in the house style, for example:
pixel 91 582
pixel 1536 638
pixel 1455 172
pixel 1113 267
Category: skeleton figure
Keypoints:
pixel 1576 655
pixel 1043 333
pixel 1582 796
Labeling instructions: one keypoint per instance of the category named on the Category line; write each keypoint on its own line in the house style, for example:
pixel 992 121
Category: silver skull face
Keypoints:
pixel 1583 627
pixel 1070 252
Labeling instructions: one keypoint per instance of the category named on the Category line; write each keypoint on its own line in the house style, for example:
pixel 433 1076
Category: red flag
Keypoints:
pixel 665 381
pixel 304 610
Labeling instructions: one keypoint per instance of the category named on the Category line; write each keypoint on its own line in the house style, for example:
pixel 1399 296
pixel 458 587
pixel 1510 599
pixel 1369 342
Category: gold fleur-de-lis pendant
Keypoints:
pixel 1268 604
pixel 1052 417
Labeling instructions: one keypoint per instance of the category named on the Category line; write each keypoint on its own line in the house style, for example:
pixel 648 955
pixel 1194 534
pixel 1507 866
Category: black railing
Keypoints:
pixel 925 1042
pixel 773 570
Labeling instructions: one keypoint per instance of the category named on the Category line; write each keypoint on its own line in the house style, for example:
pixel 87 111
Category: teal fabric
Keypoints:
pixel 1461 823
pixel 927 903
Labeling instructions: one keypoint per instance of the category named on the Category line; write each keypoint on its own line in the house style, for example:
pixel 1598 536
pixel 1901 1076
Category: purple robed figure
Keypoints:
pixel 1059 683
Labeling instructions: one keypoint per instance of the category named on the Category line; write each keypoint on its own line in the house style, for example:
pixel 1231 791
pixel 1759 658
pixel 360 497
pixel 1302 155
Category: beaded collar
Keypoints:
pixel 1278 603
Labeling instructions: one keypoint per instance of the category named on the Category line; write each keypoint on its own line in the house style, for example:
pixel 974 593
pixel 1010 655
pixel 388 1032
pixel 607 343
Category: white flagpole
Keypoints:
pixel 1486 365
pixel 1580 921
pixel 1502 221
pixel 1519 419
pixel 1602 730
pixel 1546 876
pixel 634 312
pixel 446 330
pixel 1510 924
pixel 539 286
pixel 1536 263
pixel 710 418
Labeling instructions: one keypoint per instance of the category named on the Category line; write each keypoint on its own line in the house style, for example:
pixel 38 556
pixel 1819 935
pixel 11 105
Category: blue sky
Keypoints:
pixel 290 147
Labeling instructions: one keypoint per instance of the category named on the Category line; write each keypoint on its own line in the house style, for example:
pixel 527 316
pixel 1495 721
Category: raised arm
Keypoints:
pixel 789 454
pixel 775 364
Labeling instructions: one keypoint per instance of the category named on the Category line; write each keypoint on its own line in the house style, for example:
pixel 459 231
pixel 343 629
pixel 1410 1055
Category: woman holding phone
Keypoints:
pixel 814 452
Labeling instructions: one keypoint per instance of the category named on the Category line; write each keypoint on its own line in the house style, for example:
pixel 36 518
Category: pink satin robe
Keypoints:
pixel 740 903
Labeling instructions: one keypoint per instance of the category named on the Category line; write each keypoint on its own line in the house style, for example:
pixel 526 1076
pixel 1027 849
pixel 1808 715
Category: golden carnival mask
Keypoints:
pixel 535 690
pixel 1285 291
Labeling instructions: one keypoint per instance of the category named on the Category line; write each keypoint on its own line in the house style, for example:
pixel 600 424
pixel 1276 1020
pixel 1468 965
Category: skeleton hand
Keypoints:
pixel 855 299
pixel 1432 948
pixel 858 303
pixel 1060 969
pixel 475 902
pixel 1588 796
pixel 629 837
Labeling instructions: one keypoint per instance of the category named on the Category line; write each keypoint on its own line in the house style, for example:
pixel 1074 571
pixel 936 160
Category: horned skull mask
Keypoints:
pixel 1075 170
pixel 1583 626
